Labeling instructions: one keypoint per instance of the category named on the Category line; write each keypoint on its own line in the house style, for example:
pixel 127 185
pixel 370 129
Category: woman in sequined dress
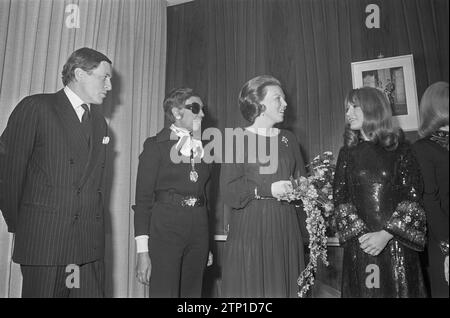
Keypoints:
pixel 379 218
pixel 432 154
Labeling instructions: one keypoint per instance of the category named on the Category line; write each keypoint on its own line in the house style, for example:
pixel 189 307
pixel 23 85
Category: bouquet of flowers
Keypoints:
pixel 316 194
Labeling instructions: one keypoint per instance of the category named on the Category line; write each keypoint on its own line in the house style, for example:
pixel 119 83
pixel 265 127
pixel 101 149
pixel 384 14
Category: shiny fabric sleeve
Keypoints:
pixel 408 221
pixel 347 223
pixel 18 140
pixel 237 188
pixel 149 163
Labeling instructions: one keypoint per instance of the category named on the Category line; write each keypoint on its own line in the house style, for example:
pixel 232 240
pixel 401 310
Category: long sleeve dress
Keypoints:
pixel 432 154
pixel 374 190
pixel 263 255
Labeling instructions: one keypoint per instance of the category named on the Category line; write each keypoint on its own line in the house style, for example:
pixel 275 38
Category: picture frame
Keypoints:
pixel 396 78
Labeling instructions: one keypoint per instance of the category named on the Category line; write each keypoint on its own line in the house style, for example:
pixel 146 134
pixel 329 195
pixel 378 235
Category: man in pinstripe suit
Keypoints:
pixel 52 182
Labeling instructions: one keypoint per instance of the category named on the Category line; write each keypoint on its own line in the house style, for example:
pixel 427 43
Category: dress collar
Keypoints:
pixel 265 132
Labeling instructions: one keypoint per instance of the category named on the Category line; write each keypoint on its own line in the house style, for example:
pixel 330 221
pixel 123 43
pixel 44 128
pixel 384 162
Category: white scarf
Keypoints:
pixel 187 143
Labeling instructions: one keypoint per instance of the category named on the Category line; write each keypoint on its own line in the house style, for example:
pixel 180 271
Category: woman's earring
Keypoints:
pixel 263 108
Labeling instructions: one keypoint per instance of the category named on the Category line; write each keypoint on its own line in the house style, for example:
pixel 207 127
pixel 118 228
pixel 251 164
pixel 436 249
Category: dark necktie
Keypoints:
pixel 86 115
pixel 85 122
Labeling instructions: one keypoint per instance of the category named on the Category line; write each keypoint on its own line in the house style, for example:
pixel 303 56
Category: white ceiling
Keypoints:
pixel 175 2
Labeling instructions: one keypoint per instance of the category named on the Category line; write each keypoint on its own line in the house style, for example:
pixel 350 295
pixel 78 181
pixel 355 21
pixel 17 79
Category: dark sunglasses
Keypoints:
pixel 195 108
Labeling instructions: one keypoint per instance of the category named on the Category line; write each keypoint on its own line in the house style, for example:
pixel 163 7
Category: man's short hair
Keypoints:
pixel 85 58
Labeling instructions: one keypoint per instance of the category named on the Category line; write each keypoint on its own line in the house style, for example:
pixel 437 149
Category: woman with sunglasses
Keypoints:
pixel 170 220
pixel 263 255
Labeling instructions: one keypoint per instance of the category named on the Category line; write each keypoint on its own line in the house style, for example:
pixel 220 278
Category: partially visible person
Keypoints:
pixel 377 185
pixel 432 154
pixel 52 174
pixel 2 152
pixel 171 217
pixel 263 255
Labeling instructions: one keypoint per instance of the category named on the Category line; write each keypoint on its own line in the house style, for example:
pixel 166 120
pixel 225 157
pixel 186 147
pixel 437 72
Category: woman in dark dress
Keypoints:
pixel 432 154
pixel 170 220
pixel 263 255
pixel 377 186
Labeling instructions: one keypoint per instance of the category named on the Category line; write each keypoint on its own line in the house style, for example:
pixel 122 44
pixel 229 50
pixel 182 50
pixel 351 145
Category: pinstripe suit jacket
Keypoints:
pixel 52 182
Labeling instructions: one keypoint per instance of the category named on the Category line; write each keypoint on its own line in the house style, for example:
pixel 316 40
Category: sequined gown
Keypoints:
pixel 376 189
pixel 263 255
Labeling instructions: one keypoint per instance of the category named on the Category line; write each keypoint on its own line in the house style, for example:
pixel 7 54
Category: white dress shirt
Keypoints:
pixel 76 102
pixel 141 243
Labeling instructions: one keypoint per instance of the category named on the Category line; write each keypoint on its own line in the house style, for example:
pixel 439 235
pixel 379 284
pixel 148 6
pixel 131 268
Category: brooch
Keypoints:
pixel 284 140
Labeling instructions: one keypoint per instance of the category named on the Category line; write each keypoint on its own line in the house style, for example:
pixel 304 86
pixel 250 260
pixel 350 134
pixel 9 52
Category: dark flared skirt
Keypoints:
pixel 263 255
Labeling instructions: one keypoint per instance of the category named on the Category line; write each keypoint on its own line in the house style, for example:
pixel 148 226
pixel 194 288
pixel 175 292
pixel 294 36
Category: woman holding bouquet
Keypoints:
pixel 263 255
pixel 432 154
pixel 378 213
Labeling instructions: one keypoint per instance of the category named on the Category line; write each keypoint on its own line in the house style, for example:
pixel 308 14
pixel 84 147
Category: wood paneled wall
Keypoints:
pixel 215 46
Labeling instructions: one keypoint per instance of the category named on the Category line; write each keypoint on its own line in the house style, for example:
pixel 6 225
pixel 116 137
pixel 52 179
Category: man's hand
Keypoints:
pixel 374 242
pixel 143 268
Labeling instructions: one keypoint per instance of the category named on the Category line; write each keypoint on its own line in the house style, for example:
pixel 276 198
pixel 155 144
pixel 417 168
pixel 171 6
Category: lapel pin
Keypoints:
pixel 105 140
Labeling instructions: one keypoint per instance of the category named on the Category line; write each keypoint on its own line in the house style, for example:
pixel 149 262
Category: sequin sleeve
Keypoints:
pixel 408 221
pixel 346 222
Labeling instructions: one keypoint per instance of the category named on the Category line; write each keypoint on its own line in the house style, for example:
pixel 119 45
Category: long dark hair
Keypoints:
pixel 377 124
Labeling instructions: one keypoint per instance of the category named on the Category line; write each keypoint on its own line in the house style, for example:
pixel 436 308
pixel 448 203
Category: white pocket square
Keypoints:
pixel 105 140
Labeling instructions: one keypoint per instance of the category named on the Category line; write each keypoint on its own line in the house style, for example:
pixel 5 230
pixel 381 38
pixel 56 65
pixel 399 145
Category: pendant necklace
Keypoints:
pixel 193 175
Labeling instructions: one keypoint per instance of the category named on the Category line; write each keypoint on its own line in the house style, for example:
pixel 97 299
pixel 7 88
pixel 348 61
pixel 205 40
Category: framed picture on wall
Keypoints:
pixel 395 77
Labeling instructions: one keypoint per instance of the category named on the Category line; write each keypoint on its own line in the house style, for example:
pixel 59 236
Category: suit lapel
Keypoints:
pixel 96 142
pixel 71 125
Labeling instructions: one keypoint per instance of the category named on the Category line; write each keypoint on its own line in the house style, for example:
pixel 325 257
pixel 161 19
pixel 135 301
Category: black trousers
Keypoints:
pixel 178 249
pixel 72 281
